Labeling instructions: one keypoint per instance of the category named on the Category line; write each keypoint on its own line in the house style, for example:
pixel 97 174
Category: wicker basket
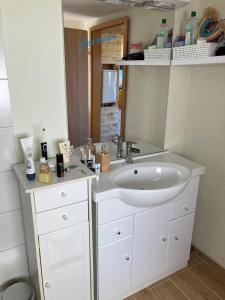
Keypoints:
pixel 164 53
pixel 195 51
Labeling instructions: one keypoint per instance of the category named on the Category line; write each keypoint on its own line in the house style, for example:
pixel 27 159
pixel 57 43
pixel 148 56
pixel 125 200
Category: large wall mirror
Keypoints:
pixel 107 99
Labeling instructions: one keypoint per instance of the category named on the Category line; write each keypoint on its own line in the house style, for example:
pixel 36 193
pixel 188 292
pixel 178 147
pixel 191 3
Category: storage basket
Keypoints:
pixel 195 51
pixel 164 53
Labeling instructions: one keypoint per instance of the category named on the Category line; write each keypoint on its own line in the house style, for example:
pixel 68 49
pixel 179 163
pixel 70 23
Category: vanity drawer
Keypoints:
pixel 62 217
pixel 64 194
pixel 115 231
pixel 183 208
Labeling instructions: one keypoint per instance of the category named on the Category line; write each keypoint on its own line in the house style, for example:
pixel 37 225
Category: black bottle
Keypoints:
pixel 59 165
pixel 44 147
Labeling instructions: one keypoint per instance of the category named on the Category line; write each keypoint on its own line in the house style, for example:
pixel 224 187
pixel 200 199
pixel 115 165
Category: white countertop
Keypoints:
pixel 79 173
pixel 104 188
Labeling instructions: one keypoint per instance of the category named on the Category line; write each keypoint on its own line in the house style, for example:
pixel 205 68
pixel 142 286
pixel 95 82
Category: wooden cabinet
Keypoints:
pixel 180 237
pixel 65 263
pixel 150 244
pixel 114 269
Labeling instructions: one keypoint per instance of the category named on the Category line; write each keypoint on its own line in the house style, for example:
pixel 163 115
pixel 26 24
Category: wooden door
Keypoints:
pixel 150 244
pixel 76 65
pixel 97 74
pixel 65 263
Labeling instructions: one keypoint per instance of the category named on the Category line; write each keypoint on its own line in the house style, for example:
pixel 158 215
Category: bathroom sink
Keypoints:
pixel 150 184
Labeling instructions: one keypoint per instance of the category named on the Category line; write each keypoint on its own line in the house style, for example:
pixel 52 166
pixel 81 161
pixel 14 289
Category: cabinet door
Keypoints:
pixel 180 237
pixel 114 275
pixel 150 244
pixel 65 263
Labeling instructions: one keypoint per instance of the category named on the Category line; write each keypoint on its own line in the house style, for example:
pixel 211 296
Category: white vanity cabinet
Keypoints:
pixel 139 246
pixel 150 244
pixel 65 263
pixel 180 236
pixel 58 229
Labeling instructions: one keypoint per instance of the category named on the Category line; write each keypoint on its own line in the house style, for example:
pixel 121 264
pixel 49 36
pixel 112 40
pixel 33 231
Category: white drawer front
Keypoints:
pixel 115 231
pixel 183 208
pixel 62 217
pixel 62 195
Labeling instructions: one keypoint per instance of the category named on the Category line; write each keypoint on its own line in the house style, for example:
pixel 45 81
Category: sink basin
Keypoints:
pixel 150 184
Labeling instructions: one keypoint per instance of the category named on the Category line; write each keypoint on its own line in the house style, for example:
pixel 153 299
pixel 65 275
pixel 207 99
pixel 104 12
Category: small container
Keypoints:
pixel 45 175
pixel 59 165
pixel 104 159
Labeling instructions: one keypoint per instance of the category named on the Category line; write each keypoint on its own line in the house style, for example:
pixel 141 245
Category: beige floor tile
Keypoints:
pixel 192 286
pixel 211 277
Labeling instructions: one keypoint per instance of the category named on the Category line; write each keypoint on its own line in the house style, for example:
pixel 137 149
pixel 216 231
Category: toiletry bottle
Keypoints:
pixel 162 35
pixel 27 147
pixel 191 29
pixel 30 168
pixel 89 159
pixel 64 148
pixel 45 175
pixel 83 156
pixel 59 165
pixel 44 147
pixel 91 146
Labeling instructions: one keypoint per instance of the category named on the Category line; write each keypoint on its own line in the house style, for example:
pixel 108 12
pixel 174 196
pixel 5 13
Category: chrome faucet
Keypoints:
pixel 118 140
pixel 130 152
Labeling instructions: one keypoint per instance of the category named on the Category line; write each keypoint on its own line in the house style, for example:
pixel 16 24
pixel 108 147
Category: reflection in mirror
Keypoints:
pixel 107 100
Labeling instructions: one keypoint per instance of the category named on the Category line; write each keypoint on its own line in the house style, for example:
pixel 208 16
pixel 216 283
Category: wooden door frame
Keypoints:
pixel 116 22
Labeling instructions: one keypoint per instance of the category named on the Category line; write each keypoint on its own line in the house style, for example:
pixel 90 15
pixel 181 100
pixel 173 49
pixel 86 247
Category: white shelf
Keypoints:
pixel 152 62
pixel 214 60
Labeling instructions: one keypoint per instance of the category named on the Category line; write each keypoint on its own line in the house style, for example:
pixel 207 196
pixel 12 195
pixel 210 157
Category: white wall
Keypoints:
pixel 195 128
pixel 13 261
pixel 33 42
pixel 33 37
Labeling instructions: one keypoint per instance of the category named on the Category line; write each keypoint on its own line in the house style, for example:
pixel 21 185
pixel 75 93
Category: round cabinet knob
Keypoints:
pixel 126 257
pixel 63 194
pixel 186 208
pixel 176 238
pixel 118 232
pixel 163 238
pixel 64 217
pixel 47 285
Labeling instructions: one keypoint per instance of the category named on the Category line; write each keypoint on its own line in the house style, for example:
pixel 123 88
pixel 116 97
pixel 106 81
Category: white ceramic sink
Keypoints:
pixel 151 183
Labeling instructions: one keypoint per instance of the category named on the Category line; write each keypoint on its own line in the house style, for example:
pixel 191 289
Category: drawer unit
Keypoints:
pixel 183 208
pixel 115 231
pixel 62 217
pixel 61 195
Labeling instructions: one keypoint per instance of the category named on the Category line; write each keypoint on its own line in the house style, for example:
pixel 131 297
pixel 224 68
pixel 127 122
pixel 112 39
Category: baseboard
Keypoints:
pixel 194 248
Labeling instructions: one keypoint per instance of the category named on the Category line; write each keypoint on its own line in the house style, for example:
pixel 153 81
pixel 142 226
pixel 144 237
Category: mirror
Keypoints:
pixel 107 98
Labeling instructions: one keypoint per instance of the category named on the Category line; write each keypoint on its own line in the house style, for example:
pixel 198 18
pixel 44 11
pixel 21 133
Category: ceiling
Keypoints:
pixel 91 8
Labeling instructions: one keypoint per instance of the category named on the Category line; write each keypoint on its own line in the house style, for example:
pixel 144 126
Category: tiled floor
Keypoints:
pixel 202 279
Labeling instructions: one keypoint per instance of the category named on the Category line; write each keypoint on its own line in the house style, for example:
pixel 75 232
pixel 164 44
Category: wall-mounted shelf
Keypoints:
pixel 215 60
pixel 152 62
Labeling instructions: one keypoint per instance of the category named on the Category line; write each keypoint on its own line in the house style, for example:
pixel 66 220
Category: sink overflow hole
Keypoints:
pixel 135 172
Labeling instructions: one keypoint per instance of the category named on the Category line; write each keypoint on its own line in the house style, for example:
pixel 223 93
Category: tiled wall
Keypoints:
pixel 13 261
